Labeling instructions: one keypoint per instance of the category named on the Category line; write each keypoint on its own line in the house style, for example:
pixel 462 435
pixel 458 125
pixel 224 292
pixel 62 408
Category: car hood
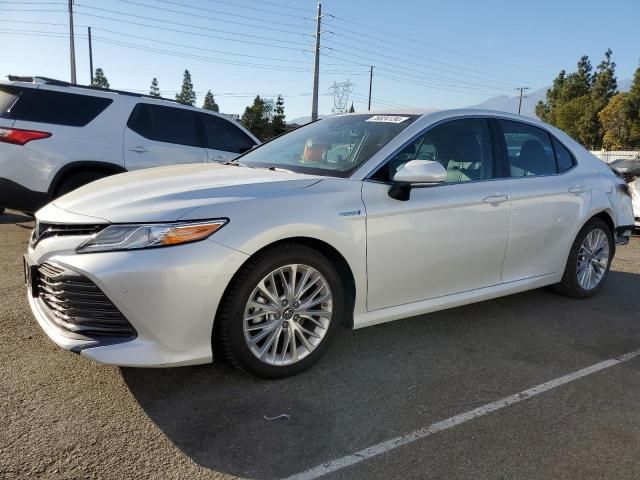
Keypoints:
pixel 167 193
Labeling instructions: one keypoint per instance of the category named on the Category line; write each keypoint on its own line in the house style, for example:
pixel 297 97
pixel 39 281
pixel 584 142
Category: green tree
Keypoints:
pixel 100 80
pixel 210 102
pixel 575 99
pixel 632 110
pixel 257 117
pixel 278 125
pixel 187 95
pixel 615 123
pixel 154 91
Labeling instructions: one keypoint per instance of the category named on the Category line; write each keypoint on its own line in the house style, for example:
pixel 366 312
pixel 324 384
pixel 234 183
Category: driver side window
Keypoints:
pixel 463 147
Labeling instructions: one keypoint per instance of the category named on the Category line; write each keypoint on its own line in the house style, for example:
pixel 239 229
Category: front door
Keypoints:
pixel 447 238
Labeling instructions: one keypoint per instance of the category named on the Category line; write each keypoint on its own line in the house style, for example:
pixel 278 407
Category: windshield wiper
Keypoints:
pixel 278 169
pixel 236 163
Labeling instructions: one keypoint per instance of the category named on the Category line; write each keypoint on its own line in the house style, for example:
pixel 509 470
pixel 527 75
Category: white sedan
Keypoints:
pixel 353 220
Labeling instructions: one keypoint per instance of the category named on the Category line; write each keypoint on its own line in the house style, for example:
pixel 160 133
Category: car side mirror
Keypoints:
pixel 414 173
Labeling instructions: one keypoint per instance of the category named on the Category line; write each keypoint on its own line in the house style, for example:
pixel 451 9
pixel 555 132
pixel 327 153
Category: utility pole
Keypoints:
pixel 90 57
pixel 72 46
pixel 316 67
pixel 370 85
pixel 521 89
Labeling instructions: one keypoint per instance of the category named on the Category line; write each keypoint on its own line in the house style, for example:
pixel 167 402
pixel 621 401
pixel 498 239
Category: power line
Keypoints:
pixel 111 41
pixel 214 19
pixel 279 5
pixel 396 35
pixel 173 22
pixel 374 58
pixel 406 51
pixel 256 9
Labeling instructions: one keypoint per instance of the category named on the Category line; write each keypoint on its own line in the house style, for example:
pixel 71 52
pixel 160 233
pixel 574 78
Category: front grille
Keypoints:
pixel 44 230
pixel 76 304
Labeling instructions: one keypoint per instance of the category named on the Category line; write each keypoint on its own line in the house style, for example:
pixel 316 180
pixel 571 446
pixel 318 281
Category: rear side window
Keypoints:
pixel 46 106
pixel 529 150
pixel 8 97
pixel 563 156
pixel 165 124
pixel 221 134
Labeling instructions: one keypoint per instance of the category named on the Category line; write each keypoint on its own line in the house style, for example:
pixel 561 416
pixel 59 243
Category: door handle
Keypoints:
pixel 138 149
pixel 496 197
pixel 577 189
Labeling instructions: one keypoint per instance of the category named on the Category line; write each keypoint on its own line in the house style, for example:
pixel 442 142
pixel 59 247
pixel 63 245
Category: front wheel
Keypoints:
pixel 589 260
pixel 280 311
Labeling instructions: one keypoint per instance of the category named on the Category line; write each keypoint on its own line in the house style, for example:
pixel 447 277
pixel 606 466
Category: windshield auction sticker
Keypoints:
pixel 387 119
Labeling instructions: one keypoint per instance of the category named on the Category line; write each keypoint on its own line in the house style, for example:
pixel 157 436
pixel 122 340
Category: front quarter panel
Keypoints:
pixel 330 211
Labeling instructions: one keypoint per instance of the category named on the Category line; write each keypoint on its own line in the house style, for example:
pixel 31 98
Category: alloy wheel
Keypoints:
pixel 593 259
pixel 288 314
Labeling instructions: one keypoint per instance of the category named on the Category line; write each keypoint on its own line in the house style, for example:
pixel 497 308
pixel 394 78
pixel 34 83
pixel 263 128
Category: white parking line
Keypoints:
pixel 451 422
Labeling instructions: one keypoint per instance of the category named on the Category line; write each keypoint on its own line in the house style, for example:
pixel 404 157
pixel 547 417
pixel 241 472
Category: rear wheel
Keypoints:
pixel 77 180
pixel 589 260
pixel 280 312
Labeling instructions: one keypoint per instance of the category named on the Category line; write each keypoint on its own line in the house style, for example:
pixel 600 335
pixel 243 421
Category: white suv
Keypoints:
pixel 56 137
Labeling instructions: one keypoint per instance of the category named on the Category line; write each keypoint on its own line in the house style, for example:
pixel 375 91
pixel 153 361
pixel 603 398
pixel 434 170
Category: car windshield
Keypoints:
pixel 333 146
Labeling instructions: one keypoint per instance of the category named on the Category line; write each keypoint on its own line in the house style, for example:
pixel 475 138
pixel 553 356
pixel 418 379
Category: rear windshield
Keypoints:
pixel 46 106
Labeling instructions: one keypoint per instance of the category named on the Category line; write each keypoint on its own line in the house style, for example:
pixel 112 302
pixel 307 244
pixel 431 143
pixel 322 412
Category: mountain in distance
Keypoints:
pixel 501 103
pixel 505 103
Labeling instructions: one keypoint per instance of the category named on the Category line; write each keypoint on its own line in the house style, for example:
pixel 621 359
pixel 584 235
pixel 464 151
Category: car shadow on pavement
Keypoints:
pixel 376 383
pixel 14 217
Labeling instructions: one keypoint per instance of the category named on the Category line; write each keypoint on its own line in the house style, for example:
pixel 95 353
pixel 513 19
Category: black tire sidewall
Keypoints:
pixel 78 180
pixel 570 279
pixel 231 315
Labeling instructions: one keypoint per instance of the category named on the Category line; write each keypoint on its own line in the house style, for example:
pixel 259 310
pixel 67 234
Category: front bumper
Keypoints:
pixel 169 295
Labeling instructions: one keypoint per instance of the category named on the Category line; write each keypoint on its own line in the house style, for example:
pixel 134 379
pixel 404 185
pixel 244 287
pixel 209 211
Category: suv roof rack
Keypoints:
pixel 62 83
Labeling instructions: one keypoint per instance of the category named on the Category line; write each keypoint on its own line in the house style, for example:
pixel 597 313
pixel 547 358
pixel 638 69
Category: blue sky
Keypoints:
pixel 434 53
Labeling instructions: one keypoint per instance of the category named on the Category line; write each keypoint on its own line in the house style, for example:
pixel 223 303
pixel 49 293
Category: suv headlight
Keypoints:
pixel 135 237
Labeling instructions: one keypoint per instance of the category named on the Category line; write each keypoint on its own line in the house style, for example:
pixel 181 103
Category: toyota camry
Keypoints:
pixel 352 221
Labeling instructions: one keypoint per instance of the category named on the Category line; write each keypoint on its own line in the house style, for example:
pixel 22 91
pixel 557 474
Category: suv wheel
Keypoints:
pixel 589 260
pixel 77 180
pixel 280 312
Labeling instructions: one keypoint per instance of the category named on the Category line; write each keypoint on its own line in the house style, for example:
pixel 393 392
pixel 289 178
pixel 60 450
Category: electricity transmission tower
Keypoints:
pixel 341 92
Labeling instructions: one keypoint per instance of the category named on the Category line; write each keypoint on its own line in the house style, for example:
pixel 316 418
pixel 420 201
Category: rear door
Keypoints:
pixel 549 197
pixel 223 139
pixel 158 135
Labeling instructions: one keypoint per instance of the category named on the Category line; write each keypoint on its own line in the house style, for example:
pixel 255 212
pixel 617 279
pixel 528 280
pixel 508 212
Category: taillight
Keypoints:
pixel 19 136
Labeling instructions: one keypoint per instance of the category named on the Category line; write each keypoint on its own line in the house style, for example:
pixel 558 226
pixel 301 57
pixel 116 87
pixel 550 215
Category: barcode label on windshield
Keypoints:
pixel 387 119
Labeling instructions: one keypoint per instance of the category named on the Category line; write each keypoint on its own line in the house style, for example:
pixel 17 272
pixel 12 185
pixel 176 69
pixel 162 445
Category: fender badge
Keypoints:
pixel 350 213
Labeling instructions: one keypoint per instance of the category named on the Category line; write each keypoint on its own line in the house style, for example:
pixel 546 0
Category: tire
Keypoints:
pixel 233 332
pixel 78 180
pixel 570 285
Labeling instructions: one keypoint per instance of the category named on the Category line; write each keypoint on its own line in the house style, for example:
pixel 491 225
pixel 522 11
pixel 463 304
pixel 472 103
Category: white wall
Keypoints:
pixel 610 156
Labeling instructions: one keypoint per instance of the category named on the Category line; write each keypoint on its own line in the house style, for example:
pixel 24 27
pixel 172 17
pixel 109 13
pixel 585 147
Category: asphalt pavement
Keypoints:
pixel 64 417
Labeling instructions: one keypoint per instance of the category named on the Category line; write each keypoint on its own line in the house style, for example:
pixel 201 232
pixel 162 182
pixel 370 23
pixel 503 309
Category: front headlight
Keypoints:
pixel 135 237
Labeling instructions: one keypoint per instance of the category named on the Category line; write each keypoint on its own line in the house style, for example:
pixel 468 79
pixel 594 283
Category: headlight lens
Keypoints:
pixel 135 237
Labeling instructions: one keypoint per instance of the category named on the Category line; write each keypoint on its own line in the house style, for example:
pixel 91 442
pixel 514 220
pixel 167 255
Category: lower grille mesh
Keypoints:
pixel 76 304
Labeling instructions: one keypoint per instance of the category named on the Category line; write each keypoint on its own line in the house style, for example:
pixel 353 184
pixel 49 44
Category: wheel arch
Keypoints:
pixel 82 166
pixel 344 269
